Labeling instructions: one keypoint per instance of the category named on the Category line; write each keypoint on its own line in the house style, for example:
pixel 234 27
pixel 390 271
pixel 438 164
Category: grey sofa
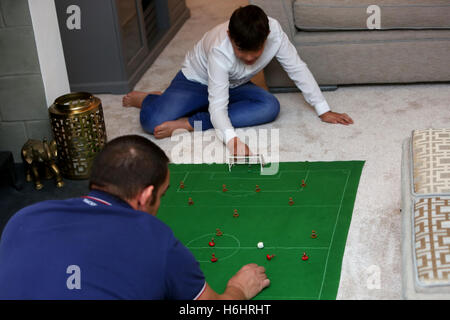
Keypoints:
pixel 411 45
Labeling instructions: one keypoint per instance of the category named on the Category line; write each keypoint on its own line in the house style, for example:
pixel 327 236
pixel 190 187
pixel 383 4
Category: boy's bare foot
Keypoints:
pixel 135 98
pixel 166 129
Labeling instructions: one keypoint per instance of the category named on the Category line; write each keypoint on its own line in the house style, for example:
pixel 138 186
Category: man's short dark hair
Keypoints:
pixel 127 165
pixel 249 27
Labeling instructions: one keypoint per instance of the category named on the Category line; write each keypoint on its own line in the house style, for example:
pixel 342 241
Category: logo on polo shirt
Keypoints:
pixel 89 202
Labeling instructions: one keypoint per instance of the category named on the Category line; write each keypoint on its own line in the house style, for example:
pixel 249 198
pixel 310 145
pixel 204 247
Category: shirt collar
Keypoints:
pixel 107 199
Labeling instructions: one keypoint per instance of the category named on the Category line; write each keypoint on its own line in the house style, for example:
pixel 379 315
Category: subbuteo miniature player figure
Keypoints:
pixel 235 214
pixel 270 256
pixel 257 189
pixel 291 202
pixel 190 202
pixel 181 185
pixel 224 188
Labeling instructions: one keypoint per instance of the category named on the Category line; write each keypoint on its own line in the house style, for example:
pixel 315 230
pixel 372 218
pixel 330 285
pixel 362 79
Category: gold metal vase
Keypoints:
pixel 79 131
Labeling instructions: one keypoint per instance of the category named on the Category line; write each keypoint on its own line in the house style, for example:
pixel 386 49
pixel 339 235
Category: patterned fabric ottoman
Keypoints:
pixel 426 215
pixel 432 241
pixel 431 161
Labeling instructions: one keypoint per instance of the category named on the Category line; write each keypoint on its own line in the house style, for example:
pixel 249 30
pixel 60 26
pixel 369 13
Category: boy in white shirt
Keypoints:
pixel 214 85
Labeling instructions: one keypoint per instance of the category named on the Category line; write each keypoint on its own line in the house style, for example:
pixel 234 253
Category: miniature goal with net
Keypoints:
pixel 253 159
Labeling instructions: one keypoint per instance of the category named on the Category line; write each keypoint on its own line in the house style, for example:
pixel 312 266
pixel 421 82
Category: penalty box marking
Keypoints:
pixel 257 206
pixel 259 179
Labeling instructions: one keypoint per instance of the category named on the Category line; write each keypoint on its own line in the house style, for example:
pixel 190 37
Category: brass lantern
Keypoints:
pixel 79 130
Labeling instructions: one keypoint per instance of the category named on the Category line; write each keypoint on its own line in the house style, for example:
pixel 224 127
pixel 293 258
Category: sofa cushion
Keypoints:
pixel 352 14
pixel 432 241
pixel 431 162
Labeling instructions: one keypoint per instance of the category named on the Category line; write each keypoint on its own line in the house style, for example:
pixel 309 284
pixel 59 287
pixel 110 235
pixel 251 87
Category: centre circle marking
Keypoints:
pixel 213 235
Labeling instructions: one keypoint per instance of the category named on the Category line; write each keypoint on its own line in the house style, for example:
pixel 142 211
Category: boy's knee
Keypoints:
pixel 271 107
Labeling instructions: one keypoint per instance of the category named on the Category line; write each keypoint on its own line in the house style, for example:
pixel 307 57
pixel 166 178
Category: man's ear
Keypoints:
pixel 145 196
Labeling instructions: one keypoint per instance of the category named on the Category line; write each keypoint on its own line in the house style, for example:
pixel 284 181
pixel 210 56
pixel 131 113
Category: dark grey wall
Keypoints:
pixel 23 108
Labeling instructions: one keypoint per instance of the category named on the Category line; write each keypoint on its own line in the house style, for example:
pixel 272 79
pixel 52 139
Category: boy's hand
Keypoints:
pixel 334 117
pixel 238 148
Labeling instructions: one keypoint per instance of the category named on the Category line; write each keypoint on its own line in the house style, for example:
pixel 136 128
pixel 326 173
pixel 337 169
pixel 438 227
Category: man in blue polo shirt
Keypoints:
pixel 109 244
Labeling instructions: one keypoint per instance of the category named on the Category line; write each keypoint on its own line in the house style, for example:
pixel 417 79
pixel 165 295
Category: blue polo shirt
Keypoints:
pixel 94 247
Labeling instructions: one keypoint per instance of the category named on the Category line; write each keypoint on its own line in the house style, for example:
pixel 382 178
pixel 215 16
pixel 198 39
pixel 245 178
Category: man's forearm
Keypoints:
pixel 232 293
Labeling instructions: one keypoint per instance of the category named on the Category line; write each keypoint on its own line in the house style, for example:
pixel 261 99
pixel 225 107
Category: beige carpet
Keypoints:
pixel 384 116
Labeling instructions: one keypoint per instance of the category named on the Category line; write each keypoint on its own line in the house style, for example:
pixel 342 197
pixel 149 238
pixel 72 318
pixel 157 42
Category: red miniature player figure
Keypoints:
pixel 190 202
pixel 257 189
pixel 305 257
pixel 181 185
pixel 313 234
pixel 211 243
pixel 219 233
pixel 269 257
pixel 213 259
pixel 224 188
pixel 235 214
pixel 291 202
pixel 303 184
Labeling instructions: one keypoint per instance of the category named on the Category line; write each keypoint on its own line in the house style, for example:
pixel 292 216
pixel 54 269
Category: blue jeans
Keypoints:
pixel 249 105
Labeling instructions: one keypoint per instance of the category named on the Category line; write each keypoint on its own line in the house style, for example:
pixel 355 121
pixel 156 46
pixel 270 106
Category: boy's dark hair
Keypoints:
pixel 127 165
pixel 249 27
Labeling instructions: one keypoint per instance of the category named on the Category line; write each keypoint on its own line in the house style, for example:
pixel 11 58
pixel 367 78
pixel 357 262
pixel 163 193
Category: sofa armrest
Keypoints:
pixel 281 10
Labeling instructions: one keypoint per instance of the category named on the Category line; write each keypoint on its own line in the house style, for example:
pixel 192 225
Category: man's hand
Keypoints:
pixel 244 285
pixel 249 281
pixel 238 148
pixel 334 117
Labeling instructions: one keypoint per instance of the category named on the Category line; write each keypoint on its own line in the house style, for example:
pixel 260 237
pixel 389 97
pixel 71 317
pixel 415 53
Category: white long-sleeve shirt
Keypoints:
pixel 212 62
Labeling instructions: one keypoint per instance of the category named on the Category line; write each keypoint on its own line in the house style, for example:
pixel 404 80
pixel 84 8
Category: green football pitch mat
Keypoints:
pixel 242 215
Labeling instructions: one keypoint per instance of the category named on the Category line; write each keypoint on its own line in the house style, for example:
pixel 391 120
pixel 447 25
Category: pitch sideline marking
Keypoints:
pixel 332 236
